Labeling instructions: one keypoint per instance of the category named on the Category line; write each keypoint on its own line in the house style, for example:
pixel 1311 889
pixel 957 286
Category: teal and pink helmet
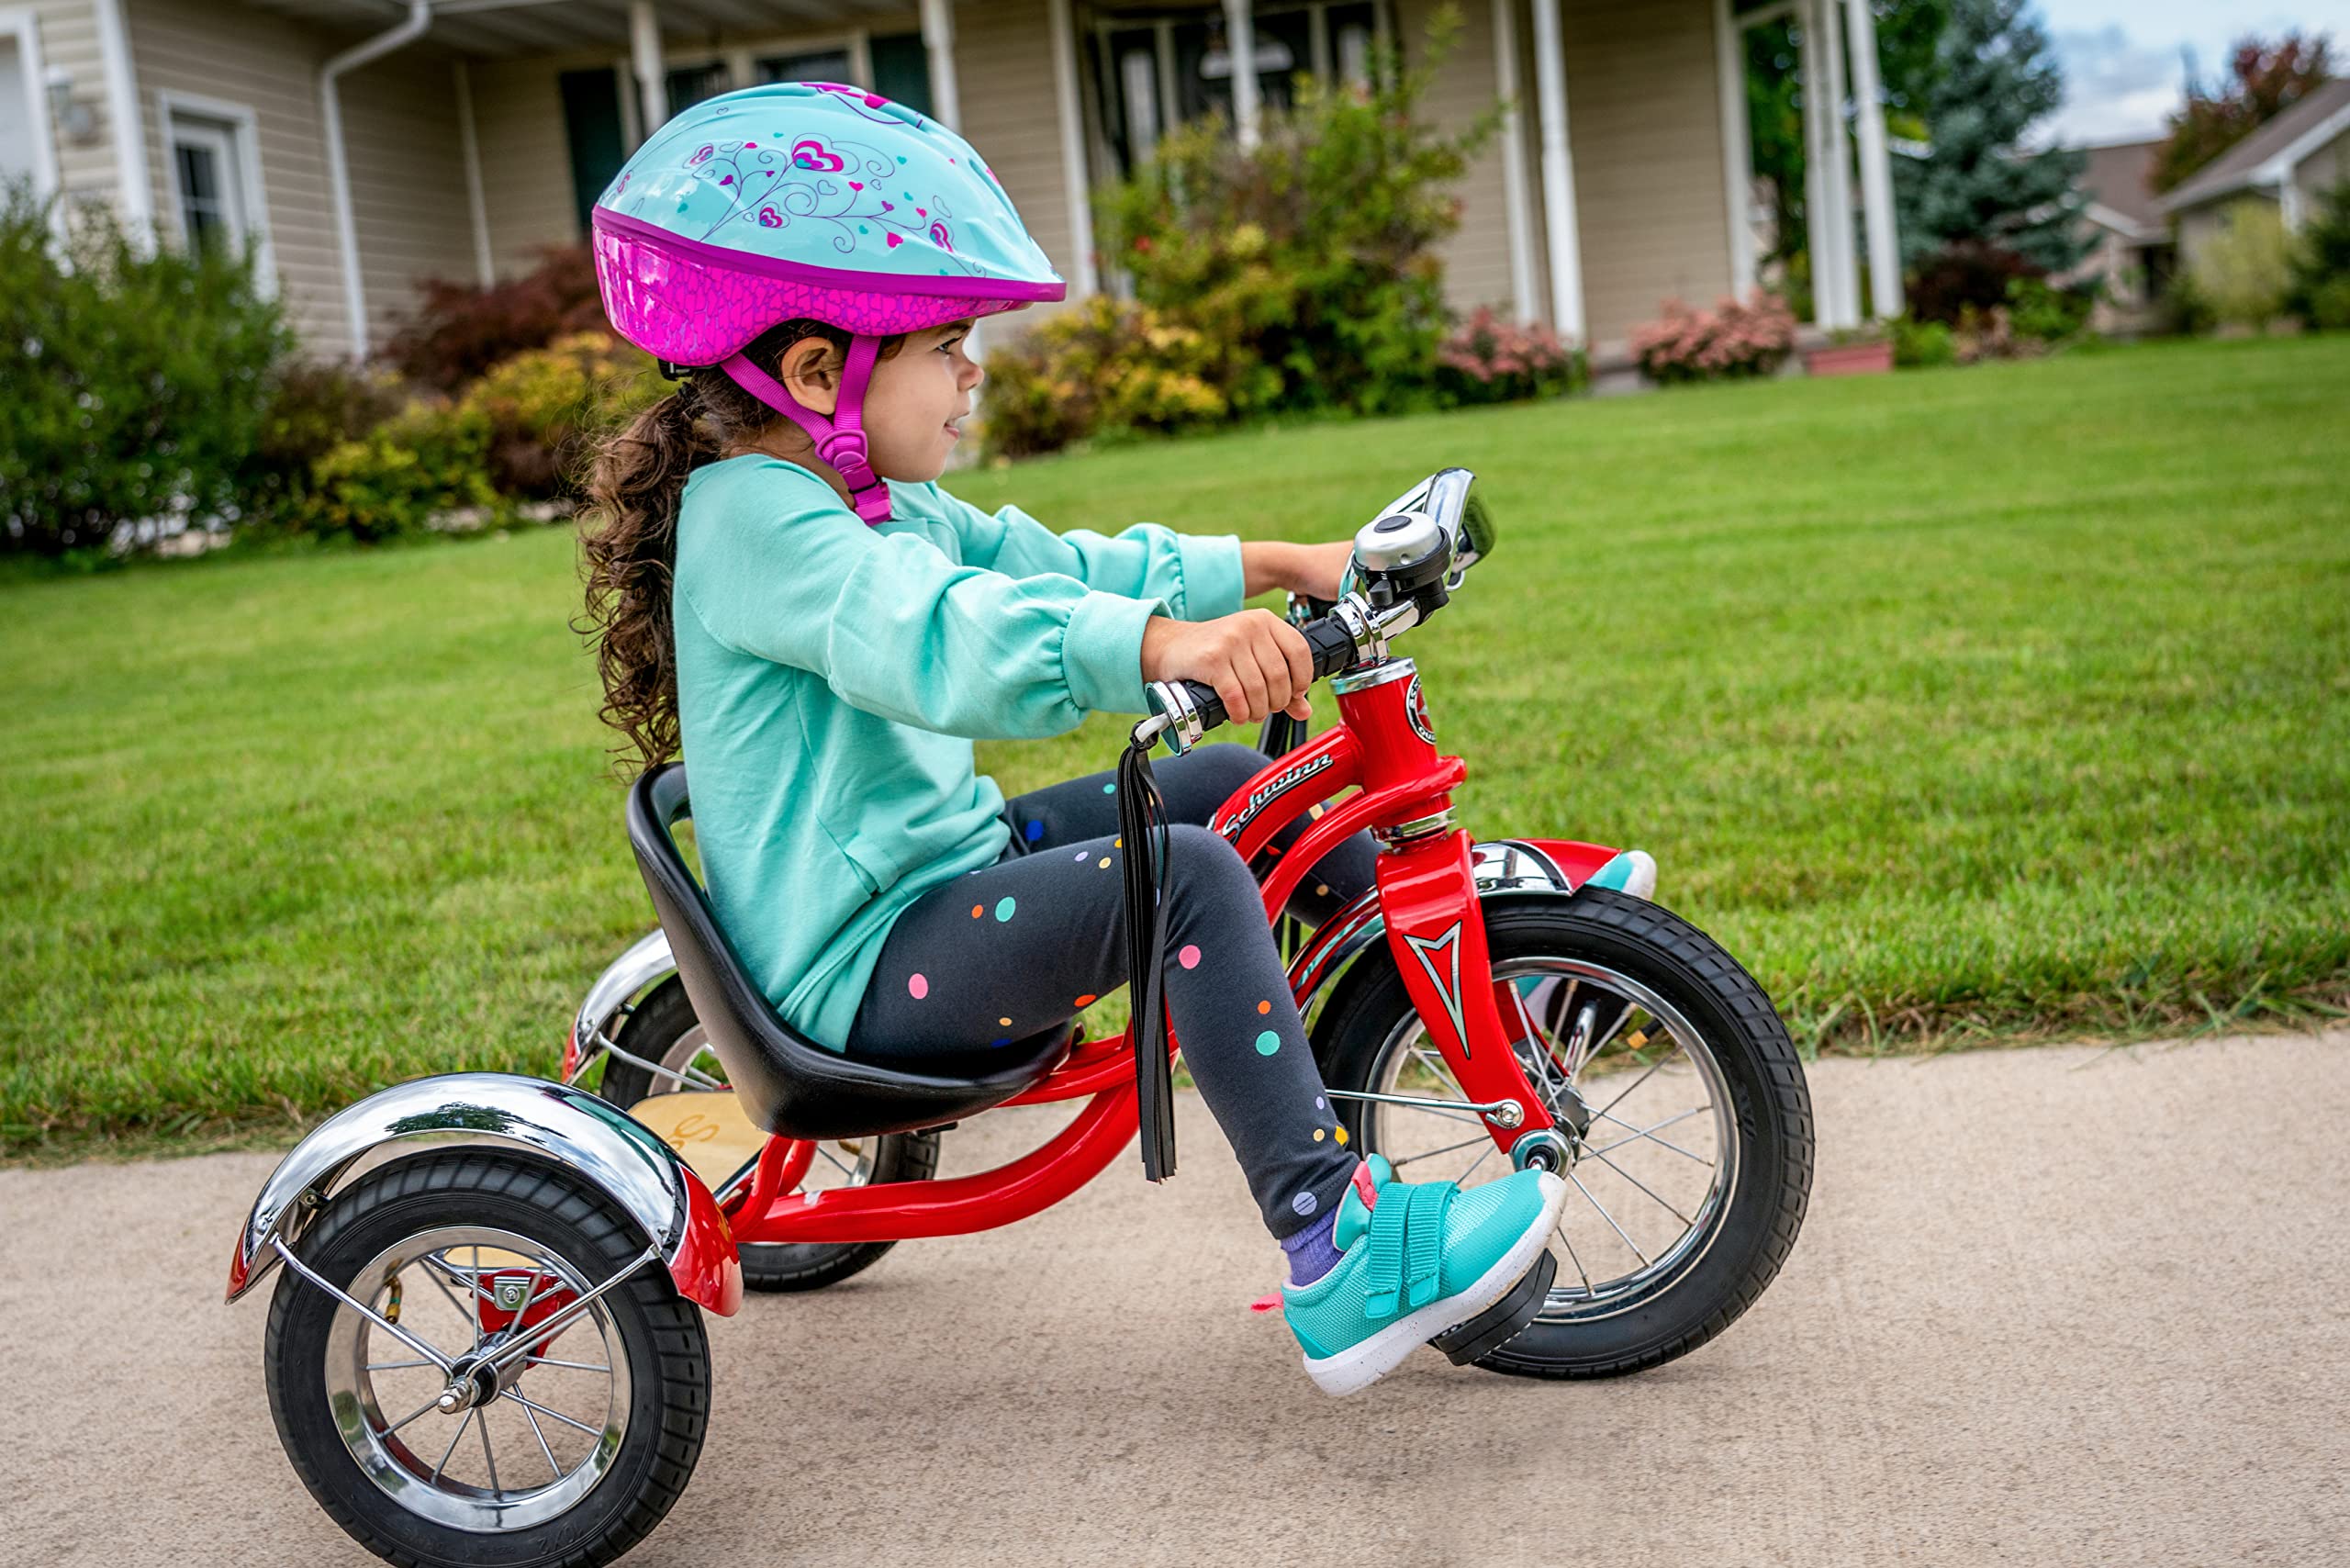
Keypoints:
pixel 816 200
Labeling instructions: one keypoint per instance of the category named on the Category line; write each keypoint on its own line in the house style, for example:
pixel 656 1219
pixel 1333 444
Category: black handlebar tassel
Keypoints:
pixel 1142 823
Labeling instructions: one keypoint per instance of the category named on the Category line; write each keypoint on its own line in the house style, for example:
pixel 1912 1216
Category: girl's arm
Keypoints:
pixel 896 628
pixel 1200 577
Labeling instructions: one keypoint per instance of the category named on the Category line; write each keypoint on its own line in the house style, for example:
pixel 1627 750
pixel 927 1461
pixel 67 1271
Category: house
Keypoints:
pixel 2293 161
pixel 362 145
pixel 2132 255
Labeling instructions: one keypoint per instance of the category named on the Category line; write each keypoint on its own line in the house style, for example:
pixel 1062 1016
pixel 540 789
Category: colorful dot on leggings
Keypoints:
pixel 1004 907
pixel 1322 889
pixel 1190 957
pixel 1003 1023
pixel 1088 999
pixel 918 986
pixel 977 910
pixel 1269 1042
pixel 1319 1135
pixel 1005 1041
pixel 1342 1135
pixel 1264 1007
pixel 1304 1203
pixel 1320 1103
pixel 1105 863
pixel 1313 812
pixel 1084 853
pixel 1117 844
pixel 1109 788
pixel 1035 832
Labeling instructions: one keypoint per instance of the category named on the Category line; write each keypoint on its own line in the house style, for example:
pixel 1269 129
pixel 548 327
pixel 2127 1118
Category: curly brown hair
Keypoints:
pixel 628 547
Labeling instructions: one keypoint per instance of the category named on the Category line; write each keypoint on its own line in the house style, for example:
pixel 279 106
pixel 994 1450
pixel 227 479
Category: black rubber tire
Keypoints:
pixel 1770 1102
pixel 660 1332
pixel 659 1020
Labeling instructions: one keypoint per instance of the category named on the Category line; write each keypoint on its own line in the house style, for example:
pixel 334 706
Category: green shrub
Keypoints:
pixel 1919 344
pixel 1307 265
pixel 461 330
pixel 1103 367
pixel 2320 265
pixel 407 476
pixel 2051 315
pixel 2182 309
pixel 545 407
pixel 2243 271
pixel 313 405
pixel 136 383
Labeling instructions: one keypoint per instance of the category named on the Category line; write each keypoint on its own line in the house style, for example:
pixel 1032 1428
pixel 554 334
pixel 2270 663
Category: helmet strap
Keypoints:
pixel 840 440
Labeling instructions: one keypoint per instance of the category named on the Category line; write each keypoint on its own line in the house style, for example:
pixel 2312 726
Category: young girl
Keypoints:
pixel 784 593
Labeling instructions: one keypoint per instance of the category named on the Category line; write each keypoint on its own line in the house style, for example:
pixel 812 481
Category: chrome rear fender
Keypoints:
pixel 595 1142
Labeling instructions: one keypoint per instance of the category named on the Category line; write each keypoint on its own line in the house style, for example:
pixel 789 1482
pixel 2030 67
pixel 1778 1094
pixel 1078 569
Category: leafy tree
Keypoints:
pixel 2320 263
pixel 2264 80
pixel 1996 77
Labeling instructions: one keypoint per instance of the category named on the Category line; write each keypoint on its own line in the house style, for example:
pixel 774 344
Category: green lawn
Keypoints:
pixel 2011 700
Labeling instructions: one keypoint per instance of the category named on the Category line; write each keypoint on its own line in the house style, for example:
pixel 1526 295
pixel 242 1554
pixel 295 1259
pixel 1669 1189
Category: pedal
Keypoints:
pixel 1503 1321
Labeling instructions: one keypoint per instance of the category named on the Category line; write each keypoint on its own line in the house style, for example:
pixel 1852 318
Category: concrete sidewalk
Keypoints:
pixel 2051 1307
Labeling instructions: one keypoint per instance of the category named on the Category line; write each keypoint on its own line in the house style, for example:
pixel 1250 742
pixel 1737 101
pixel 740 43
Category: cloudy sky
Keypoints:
pixel 2122 63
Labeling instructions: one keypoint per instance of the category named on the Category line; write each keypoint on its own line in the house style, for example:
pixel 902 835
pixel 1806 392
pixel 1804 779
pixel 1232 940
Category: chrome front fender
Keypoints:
pixel 628 975
pixel 596 1142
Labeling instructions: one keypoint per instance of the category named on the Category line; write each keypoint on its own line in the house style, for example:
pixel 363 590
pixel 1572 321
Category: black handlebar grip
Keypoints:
pixel 1333 651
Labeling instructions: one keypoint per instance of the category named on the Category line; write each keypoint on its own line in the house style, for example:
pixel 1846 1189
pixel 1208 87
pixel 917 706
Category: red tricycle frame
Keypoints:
pixel 1383 747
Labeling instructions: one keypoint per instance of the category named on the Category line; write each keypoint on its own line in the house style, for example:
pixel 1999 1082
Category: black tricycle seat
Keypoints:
pixel 786 1081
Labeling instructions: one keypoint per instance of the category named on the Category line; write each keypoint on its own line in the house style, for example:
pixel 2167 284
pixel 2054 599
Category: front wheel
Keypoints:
pixel 448 1432
pixel 1691 1146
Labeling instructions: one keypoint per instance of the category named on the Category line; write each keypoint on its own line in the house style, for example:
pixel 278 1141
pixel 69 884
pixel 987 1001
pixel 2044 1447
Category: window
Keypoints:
pixel 690 84
pixel 215 170
pixel 1159 73
pixel 816 65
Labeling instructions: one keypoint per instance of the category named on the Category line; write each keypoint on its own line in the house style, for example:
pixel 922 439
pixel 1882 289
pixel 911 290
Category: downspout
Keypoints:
pixel 1523 303
pixel 346 228
pixel 1561 232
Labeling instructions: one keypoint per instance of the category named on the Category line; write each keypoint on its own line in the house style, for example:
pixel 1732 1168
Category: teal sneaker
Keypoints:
pixel 1427 1259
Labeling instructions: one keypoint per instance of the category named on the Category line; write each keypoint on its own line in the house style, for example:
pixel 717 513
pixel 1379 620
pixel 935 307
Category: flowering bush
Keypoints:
pixel 1488 360
pixel 1104 367
pixel 460 330
pixel 404 476
pixel 1733 338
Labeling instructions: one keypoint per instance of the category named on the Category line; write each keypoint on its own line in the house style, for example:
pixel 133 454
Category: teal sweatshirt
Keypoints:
pixel 832 677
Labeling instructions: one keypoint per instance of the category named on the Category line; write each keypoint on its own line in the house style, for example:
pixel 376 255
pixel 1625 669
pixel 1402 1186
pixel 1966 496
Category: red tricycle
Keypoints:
pixel 490 1348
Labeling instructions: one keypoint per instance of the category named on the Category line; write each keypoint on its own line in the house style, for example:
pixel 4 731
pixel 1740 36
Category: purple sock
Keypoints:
pixel 1312 1252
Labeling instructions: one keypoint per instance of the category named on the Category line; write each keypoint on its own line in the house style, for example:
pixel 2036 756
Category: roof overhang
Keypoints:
pixel 508 29
pixel 2268 175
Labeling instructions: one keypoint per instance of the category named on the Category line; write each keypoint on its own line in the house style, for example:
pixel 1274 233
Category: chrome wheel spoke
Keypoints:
pixel 1637 1134
pixel 533 1416
pixel 1609 1217
pixel 394 1366
pixel 429 1404
pixel 1559 1229
pixel 574 1366
pixel 486 1456
pixel 847 1170
pixel 552 1415
pixel 1643 1186
pixel 1431 1154
pixel 460 1432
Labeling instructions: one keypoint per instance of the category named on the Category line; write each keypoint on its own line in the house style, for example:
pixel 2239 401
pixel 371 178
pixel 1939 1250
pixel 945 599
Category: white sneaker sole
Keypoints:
pixel 1359 1365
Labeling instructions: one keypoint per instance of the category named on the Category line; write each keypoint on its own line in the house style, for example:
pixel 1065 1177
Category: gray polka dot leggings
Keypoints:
pixel 1015 947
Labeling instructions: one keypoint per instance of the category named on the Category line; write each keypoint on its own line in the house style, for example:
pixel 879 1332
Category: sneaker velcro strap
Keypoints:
pixel 1406 1248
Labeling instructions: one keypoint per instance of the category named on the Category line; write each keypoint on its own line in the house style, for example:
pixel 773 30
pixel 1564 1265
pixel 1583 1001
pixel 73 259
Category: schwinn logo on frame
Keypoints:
pixel 1264 794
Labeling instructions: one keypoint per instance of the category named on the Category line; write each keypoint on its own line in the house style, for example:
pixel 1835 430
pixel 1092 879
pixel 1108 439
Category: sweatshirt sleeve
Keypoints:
pixel 896 628
pixel 1198 576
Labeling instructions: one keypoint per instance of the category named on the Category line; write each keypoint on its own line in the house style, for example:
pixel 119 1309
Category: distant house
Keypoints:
pixel 2132 255
pixel 2291 162
pixel 366 144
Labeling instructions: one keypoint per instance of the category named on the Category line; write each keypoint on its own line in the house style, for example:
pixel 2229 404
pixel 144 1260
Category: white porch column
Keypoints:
pixel 1240 38
pixel 1812 77
pixel 1557 176
pixel 1738 156
pixel 938 45
pixel 129 126
pixel 645 60
pixel 1876 166
pixel 1839 170
pixel 1522 300
pixel 1075 187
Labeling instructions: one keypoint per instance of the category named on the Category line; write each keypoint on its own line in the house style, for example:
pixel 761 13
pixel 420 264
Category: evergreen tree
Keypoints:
pixel 1996 77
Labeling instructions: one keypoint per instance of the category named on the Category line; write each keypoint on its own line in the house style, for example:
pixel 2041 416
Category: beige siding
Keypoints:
pixel 1476 257
pixel 399 128
pixel 525 156
pixel 1003 65
pixel 2318 173
pixel 68 30
pixel 2199 226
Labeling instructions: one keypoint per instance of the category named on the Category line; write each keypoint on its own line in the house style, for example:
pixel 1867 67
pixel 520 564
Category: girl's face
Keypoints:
pixel 913 405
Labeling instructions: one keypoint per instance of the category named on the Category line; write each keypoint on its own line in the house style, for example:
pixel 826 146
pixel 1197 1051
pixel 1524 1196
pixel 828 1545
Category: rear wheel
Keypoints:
pixel 453 1436
pixel 663 1029
pixel 1678 1091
